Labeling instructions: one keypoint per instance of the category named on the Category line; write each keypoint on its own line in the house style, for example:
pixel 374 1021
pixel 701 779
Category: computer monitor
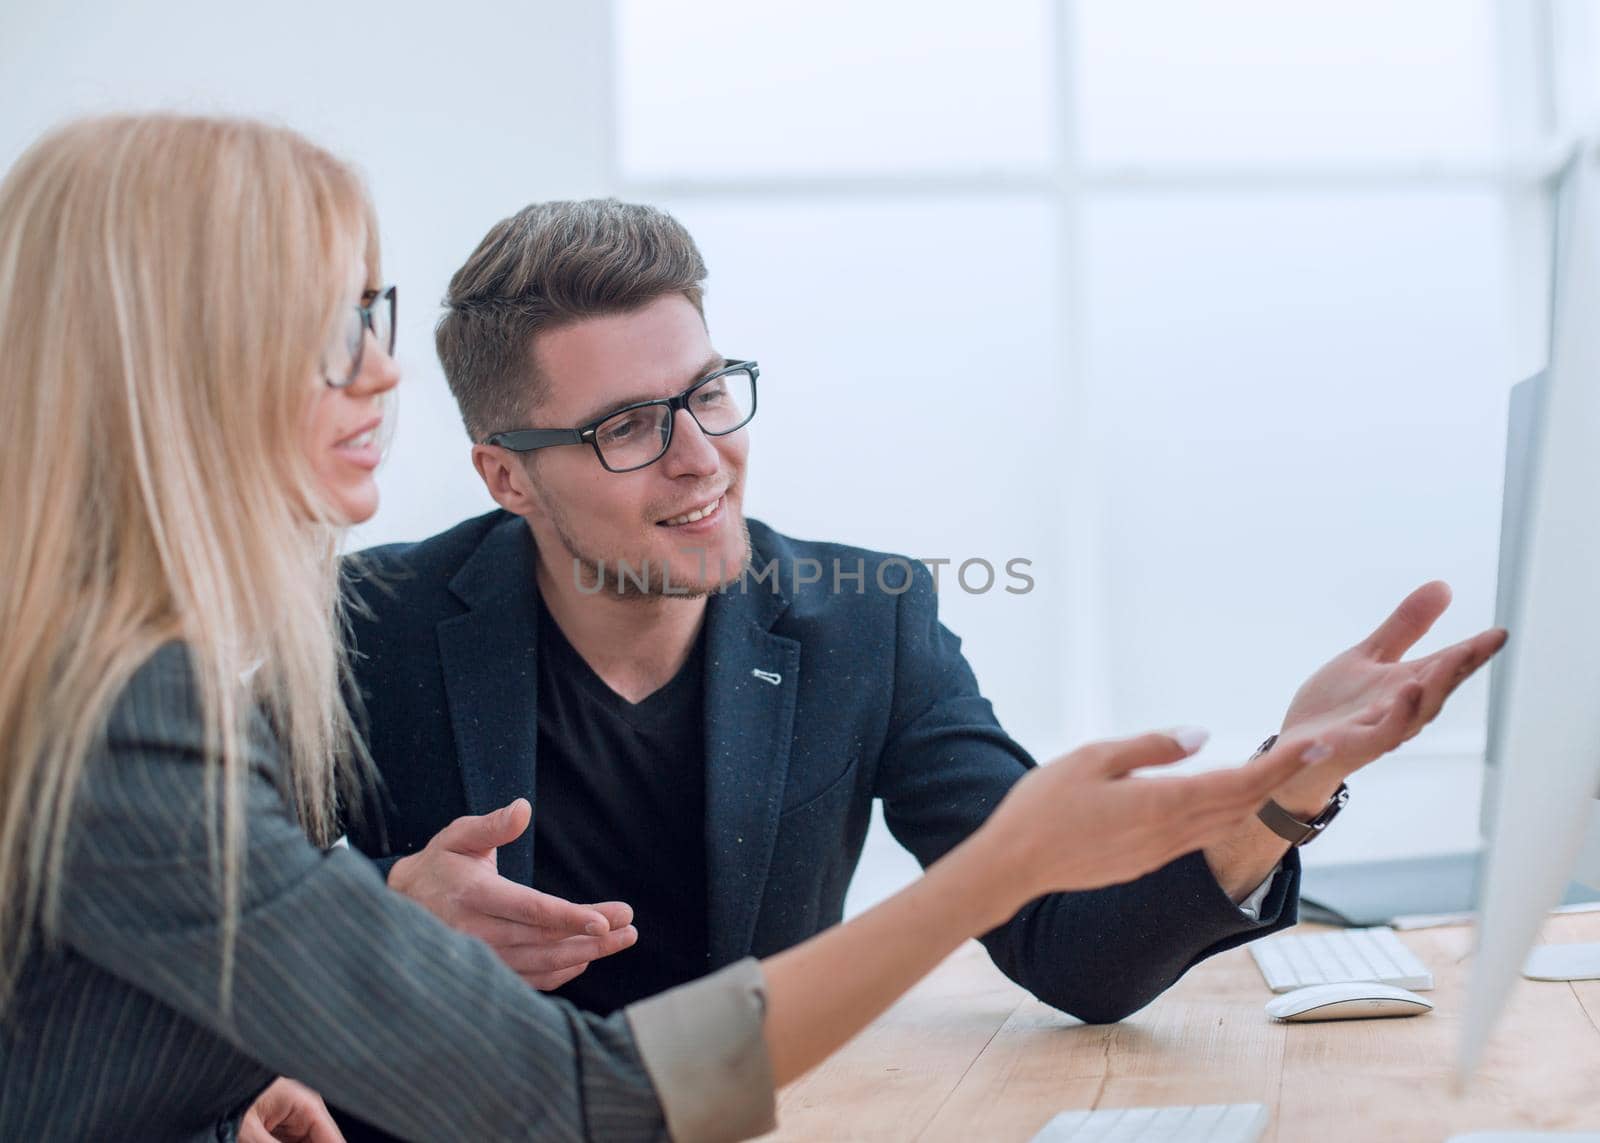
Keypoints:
pixel 1522 421
pixel 1545 741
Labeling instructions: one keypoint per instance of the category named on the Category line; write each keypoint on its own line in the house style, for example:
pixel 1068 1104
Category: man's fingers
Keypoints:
pixel 512 902
pixel 547 958
pixel 618 913
pixel 476 836
pixel 1447 670
pixel 322 1128
pixel 288 1110
pixel 1161 748
pixel 496 932
pixel 1443 677
pixel 594 948
pixel 1445 673
pixel 251 1129
pixel 548 981
pixel 1444 682
pixel 1382 726
pixel 1410 621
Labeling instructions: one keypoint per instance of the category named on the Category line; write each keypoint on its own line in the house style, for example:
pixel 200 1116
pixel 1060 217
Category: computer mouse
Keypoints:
pixel 1357 1000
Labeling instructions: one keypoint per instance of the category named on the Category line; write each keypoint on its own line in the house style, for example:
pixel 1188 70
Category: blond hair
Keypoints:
pixel 167 287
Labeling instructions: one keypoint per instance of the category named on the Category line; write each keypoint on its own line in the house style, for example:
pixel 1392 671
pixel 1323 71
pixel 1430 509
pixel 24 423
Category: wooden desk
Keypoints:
pixel 968 1055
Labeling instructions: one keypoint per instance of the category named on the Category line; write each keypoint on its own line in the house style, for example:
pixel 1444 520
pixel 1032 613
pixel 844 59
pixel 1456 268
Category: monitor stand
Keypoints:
pixel 1376 892
pixel 1563 962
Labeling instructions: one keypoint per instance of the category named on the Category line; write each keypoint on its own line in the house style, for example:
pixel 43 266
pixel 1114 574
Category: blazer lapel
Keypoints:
pixel 488 658
pixel 751 683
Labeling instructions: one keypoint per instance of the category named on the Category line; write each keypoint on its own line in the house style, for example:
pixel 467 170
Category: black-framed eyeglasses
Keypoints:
pixel 344 358
pixel 640 434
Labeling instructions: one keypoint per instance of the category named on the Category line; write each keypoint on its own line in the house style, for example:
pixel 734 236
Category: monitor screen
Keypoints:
pixel 1546 739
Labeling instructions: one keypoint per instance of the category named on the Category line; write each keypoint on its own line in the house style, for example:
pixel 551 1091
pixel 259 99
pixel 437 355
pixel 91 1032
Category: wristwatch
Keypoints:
pixel 1281 822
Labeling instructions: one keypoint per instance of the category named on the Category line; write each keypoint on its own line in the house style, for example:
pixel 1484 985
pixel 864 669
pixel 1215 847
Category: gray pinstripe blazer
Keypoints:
pixel 117 1033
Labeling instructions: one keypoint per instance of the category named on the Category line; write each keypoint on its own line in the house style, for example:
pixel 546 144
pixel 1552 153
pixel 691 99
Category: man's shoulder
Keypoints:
pixel 827 573
pixel 407 576
pixel 767 541
pixel 443 552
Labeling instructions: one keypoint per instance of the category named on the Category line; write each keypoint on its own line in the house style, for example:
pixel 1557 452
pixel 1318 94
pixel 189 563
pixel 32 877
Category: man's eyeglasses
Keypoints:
pixel 640 434
pixel 344 358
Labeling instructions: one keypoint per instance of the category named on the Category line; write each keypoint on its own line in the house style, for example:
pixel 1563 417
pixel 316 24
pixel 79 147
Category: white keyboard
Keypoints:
pixel 1215 1123
pixel 1332 958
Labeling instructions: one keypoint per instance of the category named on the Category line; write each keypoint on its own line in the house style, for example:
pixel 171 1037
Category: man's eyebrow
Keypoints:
pixel 707 367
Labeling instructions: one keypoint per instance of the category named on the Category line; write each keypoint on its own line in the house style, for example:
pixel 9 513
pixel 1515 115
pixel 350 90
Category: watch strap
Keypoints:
pixel 1294 830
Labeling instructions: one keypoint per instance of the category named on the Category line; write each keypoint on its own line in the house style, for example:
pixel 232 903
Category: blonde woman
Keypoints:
pixel 194 355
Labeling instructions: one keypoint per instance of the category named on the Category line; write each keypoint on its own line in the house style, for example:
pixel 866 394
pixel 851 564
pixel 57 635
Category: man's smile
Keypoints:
pixel 709 510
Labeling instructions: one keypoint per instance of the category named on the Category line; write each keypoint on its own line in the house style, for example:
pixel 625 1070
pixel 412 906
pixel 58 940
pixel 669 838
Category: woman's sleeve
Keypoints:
pixel 357 991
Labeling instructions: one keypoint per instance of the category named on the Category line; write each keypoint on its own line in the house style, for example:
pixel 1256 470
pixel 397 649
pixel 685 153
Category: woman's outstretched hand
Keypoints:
pixel 1089 819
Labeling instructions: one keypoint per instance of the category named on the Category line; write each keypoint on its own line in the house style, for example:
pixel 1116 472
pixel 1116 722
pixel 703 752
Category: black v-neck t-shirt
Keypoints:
pixel 619 815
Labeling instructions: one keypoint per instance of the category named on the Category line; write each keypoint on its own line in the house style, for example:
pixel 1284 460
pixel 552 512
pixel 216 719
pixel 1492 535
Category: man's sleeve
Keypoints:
pixel 350 987
pixel 384 864
pixel 1098 955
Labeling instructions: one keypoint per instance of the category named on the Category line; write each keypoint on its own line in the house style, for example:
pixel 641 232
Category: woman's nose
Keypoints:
pixel 379 372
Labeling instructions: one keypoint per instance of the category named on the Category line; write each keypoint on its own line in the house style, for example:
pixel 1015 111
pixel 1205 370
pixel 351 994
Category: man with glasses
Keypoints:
pixel 701 727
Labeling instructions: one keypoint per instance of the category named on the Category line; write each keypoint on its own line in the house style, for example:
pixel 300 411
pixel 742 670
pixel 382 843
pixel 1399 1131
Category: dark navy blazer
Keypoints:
pixel 873 699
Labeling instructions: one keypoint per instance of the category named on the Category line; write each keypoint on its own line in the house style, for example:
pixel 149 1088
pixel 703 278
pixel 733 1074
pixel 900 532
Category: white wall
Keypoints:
pixel 1211 311
pixel 458 115
pixel 1216 337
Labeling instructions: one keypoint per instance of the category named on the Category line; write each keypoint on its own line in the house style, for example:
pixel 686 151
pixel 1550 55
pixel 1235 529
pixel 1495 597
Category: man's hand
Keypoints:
pixel 1367 686
pixel 547 941
pixel 1371 674
pixel 288 1112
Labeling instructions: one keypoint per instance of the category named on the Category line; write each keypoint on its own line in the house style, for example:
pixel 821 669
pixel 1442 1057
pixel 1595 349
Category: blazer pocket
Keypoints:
pixel 807 800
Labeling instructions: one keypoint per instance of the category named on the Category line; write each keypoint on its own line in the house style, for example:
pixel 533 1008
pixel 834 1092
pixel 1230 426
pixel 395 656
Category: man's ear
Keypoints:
pixel 506 478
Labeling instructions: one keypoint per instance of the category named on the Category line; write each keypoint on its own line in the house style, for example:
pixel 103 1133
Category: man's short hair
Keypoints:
pixel 547 266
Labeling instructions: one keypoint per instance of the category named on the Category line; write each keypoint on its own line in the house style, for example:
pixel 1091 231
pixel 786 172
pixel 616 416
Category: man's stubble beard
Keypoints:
pixel 588 573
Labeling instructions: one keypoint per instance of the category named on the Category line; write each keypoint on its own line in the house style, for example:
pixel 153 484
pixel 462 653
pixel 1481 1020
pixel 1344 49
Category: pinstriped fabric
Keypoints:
pixel 339 982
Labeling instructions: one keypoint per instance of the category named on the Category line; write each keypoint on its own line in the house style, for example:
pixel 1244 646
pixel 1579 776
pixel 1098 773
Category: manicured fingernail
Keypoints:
pixel 1191 738
pixel 1317 752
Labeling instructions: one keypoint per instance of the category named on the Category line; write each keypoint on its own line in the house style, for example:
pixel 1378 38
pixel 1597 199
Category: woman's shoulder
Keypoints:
pixel 161 697
pixel 150 764
pixel 162 705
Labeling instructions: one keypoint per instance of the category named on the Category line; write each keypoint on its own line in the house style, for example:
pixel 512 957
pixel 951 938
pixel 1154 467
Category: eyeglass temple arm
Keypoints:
pixel 526 440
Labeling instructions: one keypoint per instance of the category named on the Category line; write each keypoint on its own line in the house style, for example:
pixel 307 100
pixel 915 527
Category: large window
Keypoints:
pixel 1207 310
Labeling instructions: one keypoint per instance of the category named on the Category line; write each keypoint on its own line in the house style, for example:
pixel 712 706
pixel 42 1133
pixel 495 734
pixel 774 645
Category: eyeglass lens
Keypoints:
pixel 635 437
pixel 348 359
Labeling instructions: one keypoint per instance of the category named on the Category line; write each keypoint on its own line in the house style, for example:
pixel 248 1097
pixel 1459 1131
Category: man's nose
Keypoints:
pixel 691 451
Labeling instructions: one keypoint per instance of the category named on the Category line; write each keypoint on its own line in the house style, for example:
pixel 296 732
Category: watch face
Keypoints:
pixel 1335 804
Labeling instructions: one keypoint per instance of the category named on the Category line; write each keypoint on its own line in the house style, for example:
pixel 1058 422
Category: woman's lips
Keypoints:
pixel 361 448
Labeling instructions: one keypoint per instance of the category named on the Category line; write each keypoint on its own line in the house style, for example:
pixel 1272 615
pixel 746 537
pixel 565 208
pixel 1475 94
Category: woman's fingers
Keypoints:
pixel 1208 828
pixel 1120 757
pixel 1242 788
